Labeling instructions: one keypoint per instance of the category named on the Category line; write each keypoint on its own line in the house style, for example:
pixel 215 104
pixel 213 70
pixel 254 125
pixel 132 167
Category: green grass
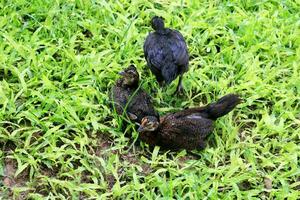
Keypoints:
pixel 59 59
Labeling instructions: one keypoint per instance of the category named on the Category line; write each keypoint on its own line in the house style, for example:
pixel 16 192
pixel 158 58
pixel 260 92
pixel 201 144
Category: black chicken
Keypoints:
pixel 127 95
pixel 185 129
pixel 166 53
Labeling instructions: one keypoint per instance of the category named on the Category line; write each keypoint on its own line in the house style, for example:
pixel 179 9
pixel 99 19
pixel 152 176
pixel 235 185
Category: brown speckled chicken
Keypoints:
pixel 185 129
pixel 127 91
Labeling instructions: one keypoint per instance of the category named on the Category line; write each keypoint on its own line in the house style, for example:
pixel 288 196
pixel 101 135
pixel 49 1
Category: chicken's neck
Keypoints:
pixel 163 31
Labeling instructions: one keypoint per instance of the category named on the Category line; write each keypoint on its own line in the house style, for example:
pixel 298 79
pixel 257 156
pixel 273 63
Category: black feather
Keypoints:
pixel 166 52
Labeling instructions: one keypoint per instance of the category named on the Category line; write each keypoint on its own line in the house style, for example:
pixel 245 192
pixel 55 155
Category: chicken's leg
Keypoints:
pixel 179 89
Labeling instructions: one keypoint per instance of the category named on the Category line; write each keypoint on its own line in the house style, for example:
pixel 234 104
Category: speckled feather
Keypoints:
pixel 140 102
pixel 187 129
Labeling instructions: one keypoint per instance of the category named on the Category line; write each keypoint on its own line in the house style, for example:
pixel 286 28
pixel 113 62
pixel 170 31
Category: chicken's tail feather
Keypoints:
pixel 223 106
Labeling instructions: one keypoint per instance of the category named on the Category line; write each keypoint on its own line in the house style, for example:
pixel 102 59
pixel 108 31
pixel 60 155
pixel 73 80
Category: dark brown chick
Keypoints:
pixel 127 95
pixel 185 129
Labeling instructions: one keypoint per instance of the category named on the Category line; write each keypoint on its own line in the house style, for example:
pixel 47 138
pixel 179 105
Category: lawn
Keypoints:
pixel 60 139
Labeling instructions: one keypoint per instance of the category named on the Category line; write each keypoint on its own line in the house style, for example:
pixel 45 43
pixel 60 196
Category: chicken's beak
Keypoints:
pixel 122 73
pixel 141 129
